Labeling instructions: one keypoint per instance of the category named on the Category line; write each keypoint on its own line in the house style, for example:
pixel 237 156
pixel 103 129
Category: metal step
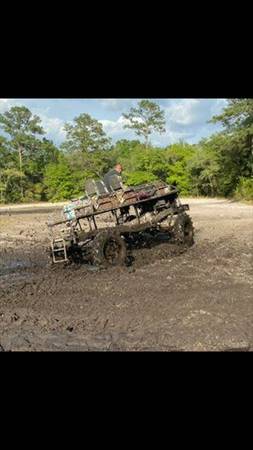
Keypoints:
pixel 57 250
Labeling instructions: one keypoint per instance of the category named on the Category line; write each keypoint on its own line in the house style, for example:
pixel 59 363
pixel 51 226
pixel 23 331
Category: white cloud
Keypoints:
pixel 5 103
pixel 117 104
pixel 185 118
pixel 54 128
pixel 188 119
pixel 182 112
pixel 190 112
pixel 114 127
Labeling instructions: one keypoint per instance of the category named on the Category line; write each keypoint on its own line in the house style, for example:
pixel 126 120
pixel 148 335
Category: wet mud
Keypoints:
pixel 168 299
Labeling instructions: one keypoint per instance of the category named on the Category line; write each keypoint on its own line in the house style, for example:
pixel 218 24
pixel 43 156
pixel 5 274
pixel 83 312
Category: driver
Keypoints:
pixel 117 170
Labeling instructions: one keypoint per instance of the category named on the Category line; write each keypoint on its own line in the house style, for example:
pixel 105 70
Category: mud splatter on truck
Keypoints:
pixel 131 218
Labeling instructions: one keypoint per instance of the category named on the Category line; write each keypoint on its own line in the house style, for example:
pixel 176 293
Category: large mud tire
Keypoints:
pixel 183 230
pixel 109 249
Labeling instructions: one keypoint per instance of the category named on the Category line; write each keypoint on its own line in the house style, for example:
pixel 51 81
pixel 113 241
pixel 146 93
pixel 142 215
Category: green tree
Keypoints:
pixel 86 147
pixel 4 160
pixel 60 182
pixel 177 157
pixel 46 153
pixel 231 152
pixel 22 127
pixel 237 115
pixel 8 172
pixel 144 166
pixel 10 181
pixel 123 149
pixel 145 119
pixel 237 120
pixel 4 153
pixel 244 189
pixel 204 171
pixel 85 166
pixel 85 135
pixel 140 177
pixel 41 153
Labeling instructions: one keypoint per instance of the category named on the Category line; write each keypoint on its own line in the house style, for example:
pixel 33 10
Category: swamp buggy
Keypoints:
pixel 103 227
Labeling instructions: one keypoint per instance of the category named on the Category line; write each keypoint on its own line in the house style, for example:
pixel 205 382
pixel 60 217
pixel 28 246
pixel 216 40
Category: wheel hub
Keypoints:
pixel 111 251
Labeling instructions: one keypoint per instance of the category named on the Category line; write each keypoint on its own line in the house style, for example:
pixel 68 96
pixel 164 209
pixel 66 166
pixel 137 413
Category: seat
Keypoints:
pixel 90 188
pixel 101 188
pixel 95 188
pixel 98 193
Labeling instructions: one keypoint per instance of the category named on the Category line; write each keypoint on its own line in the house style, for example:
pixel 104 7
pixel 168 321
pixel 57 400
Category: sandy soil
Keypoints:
pixel 197 300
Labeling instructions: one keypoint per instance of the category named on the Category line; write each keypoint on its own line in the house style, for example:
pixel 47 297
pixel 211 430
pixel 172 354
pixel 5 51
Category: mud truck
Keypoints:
pixel 102 227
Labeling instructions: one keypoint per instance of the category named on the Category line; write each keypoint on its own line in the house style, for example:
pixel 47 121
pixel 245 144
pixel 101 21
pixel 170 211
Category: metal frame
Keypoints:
pixel 83 238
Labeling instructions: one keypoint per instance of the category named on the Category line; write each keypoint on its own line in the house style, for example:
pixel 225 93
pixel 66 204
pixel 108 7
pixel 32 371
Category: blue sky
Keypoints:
pixel 185 118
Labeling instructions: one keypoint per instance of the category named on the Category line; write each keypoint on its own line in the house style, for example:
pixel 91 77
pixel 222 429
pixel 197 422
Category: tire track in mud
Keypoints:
pixel 168 300
pixel 52 281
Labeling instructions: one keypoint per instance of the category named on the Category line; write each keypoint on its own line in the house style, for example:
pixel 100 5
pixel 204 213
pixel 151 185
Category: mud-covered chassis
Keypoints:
pixel 112 245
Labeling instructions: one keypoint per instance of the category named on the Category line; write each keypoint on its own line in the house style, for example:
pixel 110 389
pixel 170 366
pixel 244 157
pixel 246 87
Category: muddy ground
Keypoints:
pixel 197 300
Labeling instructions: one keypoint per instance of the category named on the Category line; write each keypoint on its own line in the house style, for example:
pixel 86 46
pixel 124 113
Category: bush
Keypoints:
pixel 244 190
pixel 11 182
pixel 35 193
pixel 60 182
pixel 139 177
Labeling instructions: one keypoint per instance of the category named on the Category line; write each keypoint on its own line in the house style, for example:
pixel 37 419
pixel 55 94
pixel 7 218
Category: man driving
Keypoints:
pixel 117 170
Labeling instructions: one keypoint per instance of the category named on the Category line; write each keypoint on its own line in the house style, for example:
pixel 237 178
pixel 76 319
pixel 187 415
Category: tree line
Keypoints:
pixel 33 168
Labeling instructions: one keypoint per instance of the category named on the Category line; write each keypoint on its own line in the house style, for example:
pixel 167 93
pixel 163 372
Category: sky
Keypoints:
pixel 186 119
